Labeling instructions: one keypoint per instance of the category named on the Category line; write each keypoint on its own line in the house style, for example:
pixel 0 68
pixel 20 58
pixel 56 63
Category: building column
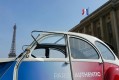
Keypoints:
pixel 92 31
pixel 114 24
pixel 84 30
pixel 101 28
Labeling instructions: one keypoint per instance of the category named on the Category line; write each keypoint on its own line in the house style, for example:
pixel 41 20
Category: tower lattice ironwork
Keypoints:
pixel 13 45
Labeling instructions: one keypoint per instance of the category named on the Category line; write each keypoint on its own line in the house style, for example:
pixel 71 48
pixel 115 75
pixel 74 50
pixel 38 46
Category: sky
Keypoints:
pixel 42 15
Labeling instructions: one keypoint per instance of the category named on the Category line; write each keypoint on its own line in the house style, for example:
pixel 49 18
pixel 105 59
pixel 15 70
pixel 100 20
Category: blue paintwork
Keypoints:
pixel 8 75
pixel 4 66
pixel 35 70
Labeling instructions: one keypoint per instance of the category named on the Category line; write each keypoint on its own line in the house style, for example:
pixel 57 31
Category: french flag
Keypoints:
pixel 85 11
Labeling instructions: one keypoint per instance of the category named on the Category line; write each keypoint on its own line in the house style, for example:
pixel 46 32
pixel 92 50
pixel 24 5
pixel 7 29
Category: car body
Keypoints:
pixel 62 56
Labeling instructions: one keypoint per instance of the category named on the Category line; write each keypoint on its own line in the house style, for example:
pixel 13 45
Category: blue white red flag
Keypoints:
pixel 85 11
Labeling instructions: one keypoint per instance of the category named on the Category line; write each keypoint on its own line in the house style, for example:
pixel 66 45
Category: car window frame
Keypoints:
pixel 43 36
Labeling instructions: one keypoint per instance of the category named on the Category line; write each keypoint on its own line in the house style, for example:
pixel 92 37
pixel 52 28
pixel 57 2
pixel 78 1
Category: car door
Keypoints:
pixel 86 62
pixel 48 60
pixel 41 68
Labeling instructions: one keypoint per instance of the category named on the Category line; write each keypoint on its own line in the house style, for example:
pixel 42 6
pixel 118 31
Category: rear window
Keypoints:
pixel 105 51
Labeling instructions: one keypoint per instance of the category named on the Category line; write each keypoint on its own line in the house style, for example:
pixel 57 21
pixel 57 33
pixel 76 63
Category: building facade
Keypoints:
pixel 102 23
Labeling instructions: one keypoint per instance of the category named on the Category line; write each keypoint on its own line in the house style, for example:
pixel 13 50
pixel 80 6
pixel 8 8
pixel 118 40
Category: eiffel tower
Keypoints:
pixel 12 53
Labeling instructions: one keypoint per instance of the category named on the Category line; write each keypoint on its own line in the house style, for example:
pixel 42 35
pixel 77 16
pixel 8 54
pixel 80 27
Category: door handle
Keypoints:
pixel 67 62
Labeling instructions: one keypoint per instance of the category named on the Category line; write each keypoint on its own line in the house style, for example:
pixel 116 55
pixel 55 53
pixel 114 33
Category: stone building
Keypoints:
pixel 102 23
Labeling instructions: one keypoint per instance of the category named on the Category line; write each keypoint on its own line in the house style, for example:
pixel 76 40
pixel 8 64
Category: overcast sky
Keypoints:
pixel 44 15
